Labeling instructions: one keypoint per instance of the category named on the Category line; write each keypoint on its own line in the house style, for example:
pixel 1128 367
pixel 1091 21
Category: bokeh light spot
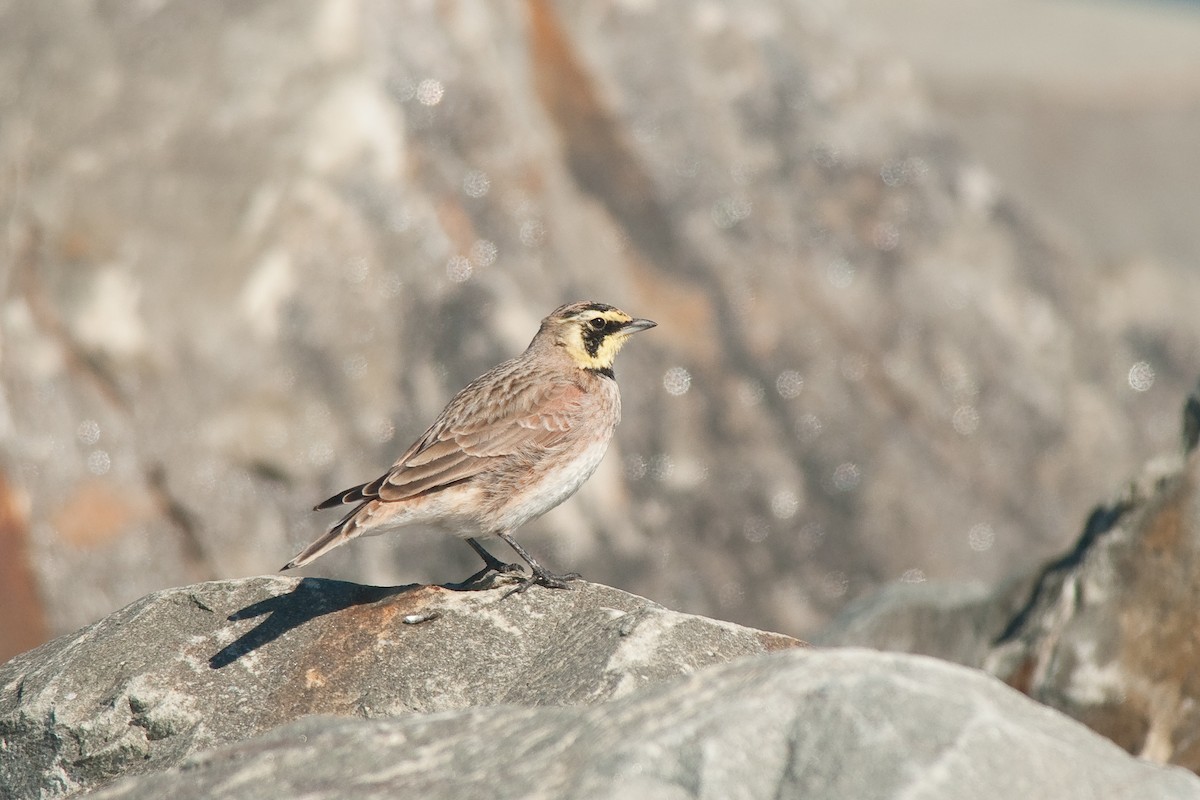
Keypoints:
pixel 789 384
pixel 88 431
pixel 99 462
pixel 533 233
pixel 981 537
pixel 483 253
pixel 430 92
pixel 729 211
pixel 635 467
pixel 458 269
pixel 846 477
pixel 809 427
pixel 1141 376
pixel 661 467
pixel 677 381
pixel 476 183
pixel 965 420
pixel 785 504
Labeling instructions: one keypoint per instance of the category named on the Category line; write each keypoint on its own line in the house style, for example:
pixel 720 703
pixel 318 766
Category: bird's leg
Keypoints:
pixel 491 563
pixel 541 576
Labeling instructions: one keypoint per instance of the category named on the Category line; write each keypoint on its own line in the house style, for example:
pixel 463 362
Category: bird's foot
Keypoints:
pixel 490 564
pixel 542 577
pixel 498 568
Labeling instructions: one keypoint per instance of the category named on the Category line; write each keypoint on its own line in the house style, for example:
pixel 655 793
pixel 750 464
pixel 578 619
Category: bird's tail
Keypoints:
pixel 347 528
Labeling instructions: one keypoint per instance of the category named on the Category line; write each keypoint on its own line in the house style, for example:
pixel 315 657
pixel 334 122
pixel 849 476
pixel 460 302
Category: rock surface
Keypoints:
pixel 1105 633
pixel 840 725
pixel 191 668
pixel 950 621
pixel 1108 634
pixel 278 687
pixel 253 249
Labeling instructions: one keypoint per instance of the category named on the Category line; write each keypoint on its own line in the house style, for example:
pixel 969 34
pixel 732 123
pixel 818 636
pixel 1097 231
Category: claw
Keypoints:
pixel 541 577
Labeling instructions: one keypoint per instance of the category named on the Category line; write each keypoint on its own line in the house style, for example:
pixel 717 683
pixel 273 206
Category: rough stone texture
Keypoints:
pixel 1106 632
pixel 192 668
pixel 849 725
pixel 253 248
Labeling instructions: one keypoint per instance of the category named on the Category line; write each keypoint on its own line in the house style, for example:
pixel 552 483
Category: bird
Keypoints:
pixel 513 444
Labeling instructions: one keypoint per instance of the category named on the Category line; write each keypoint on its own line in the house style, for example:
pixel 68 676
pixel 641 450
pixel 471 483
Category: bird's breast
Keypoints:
pixel 548 489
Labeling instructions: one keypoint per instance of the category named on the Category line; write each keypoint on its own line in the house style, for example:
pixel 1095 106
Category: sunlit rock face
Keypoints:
pixel 253 250
pixel 278 687
pixel 184 670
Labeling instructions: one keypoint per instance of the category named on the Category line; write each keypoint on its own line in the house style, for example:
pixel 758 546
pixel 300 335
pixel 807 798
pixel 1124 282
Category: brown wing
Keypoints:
pixel 488 421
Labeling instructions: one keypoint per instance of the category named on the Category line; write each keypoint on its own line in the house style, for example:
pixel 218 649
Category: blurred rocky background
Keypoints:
pixel 925 281
pixel 1105 632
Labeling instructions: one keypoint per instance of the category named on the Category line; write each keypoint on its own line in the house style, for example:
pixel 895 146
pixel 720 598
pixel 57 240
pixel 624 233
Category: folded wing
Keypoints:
pixel 463 443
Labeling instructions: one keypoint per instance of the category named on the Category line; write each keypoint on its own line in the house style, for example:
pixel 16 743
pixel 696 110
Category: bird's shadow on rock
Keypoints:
pixel 311 598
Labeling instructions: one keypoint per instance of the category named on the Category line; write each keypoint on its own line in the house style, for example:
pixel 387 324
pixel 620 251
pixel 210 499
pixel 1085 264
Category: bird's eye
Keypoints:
pixel 597 322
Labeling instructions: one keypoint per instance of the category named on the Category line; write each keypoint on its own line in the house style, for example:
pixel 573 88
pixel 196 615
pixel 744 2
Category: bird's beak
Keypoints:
pixel 635 325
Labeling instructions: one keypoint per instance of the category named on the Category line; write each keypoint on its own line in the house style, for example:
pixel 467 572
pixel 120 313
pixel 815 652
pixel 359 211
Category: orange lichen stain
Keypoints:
pixel 1021 678
pixel 384 616
pixel 314 679
pixel 1166 528
pixel 1156 639
pixel 97 512
pixel 23 623
pixel 774 642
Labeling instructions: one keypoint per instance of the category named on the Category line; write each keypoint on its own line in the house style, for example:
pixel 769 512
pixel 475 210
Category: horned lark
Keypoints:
pixel 516 442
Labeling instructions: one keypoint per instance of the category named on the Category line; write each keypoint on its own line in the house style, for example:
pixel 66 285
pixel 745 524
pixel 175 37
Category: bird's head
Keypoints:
pixel 591 333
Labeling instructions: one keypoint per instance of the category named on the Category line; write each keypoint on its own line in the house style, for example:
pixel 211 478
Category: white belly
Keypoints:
pixel 555 488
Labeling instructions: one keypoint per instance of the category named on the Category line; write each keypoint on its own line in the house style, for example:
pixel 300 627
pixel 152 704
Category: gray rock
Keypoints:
pixel 850 725
pixel 255 248
pixel 191 668
pixel 1105 632
pixel 951 621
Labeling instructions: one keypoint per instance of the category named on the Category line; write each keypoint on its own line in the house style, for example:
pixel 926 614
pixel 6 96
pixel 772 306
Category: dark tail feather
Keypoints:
pixel 346 529
pixel 353 495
